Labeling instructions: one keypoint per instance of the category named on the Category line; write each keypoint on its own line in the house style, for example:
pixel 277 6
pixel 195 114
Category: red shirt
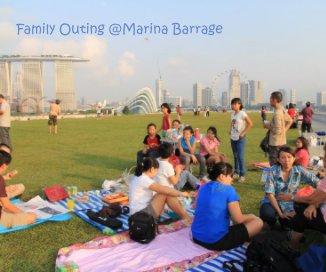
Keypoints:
pixel 307 113
pixel 292 113
pixel 154 143
pixel 3 192
pixel 302 156
pixel 166 124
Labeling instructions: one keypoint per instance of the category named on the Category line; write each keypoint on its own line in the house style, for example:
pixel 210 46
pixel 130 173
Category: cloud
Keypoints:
pixel 126 64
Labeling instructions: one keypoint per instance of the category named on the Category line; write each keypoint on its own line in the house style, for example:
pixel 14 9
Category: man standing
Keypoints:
pixel 307 113
pixel 4 121
pixel 280 123
pixel 53 116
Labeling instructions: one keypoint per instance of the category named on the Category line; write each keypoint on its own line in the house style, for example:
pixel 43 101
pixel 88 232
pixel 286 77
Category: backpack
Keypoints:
pixel 266 253
pixel 104 220
pixel 142 227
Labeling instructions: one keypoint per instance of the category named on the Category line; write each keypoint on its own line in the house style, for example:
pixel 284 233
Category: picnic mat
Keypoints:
pixel 118 253
pixel 60 217
pixel 95 200
pixel 216 264
pixel 123 218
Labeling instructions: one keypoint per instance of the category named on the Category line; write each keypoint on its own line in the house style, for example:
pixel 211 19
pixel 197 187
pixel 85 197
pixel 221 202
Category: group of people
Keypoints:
pixel 217 200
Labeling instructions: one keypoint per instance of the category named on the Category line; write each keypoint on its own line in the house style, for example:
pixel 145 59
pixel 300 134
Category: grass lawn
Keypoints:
pixel 86 152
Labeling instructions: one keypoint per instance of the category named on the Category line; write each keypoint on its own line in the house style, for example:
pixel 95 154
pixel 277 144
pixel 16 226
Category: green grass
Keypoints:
pixel 86 152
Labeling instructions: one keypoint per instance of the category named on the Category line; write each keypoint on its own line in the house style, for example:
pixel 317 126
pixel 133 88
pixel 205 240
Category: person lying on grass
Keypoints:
pixel 217 203
pixel 142 188
pixel 10 215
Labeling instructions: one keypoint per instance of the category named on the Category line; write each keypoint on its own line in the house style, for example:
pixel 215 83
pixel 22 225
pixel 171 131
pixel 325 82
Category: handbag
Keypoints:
pixel 55 193
pixel 264 144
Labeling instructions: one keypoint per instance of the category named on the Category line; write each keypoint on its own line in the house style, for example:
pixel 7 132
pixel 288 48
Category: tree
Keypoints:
pixel 126 110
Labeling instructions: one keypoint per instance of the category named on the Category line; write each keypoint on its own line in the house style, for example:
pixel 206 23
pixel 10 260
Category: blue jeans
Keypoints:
pixel 186 160
pixel 185 177
pixel 238 154
pixel 141 155
pixel 268 214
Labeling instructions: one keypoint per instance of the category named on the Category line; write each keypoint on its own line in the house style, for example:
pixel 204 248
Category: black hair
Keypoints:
pixel 176 120
pixel 165 150
pixel 189 128
pixel 308 104
pixel 219 169
pixel 214 130
pixel 278 96
pixel 146 165
pixel 237 100
pixel 150 125
pixel 286 149
pixel 5 158
pixel 304 142
pixel 166 105
pixel 291 106
pixel 1 96
pixel 57 101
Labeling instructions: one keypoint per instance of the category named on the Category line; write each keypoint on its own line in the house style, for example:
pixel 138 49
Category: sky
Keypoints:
pixel 282 43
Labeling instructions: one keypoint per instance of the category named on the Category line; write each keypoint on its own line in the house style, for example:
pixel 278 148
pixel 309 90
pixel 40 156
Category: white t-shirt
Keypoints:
pixel 5 117
pixel 238 124
pixel 139 194
pixel 165 171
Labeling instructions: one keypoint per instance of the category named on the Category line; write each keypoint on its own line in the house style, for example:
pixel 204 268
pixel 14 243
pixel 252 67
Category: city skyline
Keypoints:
pixel 281 45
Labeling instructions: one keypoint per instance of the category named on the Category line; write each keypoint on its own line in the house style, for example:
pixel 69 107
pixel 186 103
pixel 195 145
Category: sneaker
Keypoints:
pixel 205 178
pixel 235 176
pixel 242 179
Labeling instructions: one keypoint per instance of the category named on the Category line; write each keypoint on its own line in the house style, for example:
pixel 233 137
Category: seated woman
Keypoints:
pixel 281 184
pixel 217 202
pixel 209 147
pixel 142 188
pixel 151 143
pixel 311 217
pixel 301 151
pixel 187 147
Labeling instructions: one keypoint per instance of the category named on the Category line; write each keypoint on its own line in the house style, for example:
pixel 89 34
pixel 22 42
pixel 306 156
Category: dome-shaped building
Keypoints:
pixel 143 102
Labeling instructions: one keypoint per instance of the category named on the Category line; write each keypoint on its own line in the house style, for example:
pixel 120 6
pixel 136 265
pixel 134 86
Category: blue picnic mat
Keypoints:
pixel 216 264
pixel 95 200
pixel 60 217
pixel 123 218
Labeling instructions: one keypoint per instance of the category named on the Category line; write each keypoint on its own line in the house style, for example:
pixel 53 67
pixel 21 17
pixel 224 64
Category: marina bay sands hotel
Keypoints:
pixel 26 91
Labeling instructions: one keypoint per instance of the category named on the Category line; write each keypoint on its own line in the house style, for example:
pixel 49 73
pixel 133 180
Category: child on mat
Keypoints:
pixel 151 143
pixel 301 152
pixel 176 126
pixel 209 147
pixel 14 189
pixel 217 202
pixel 167 176
pixel 187 147
pixel 142 188
pixel 166 121
pixel 10 215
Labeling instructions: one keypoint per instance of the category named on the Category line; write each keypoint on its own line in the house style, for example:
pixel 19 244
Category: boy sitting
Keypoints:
pixel 10 215
pixel 167 176
pixel 14 189
pixel 151 143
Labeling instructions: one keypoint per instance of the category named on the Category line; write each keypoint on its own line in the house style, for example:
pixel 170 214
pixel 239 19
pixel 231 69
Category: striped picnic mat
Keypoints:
pixel 123 218
pixel 216 264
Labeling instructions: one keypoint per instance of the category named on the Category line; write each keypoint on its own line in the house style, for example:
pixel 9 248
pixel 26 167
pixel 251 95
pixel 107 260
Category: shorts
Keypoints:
pixel 150 210
pixel 237 235
pixel 9 220
pixel 53 120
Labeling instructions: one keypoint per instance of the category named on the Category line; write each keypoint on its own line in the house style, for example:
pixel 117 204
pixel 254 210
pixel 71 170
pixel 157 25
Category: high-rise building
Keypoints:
pixel 5 79
pixel 166 95
pixel 255 92
pixel 32 86
pixel 65 85
pixel 244 93
pixel 159 94
pixel 225 99
pixel 207 97
pixel 234 85
pixel 197 94
pixel 293 97
pixel 285 97
pixel 321 99
pixel 174 100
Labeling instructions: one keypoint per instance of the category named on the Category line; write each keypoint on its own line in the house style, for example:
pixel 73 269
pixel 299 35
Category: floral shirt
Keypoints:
pixel 274 183
pixel 322 187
